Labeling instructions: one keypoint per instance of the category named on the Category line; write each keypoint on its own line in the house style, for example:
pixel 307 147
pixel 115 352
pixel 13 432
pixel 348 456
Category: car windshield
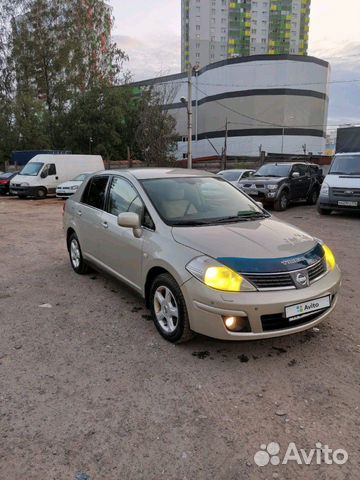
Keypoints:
pixel 230 176
pixel 345 165
pixel 273 170
pixel 32 169
pixel 80 178
pixel 200 201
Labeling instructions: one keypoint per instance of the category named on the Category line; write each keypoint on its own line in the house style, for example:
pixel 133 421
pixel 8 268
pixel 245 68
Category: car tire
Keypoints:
pixel 282 202
pixel 76 259
pixel 41 193
pixel 324 211
pixel 312 197
pixel 168 309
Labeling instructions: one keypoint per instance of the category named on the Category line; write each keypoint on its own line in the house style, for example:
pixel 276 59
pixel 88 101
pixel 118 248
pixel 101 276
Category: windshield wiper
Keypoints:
pixel 191 223
pixel 241 217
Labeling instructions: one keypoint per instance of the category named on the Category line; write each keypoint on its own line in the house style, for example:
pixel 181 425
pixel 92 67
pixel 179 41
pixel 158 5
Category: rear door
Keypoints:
pixel 88 214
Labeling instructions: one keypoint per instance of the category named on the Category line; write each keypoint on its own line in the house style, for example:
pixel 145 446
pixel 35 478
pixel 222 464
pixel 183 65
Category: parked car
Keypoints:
pixel 279 184
pixel 234 176
pixel 220 266
pixel 43 173
pixel 341 187
pixel 5 182
pixel 65 190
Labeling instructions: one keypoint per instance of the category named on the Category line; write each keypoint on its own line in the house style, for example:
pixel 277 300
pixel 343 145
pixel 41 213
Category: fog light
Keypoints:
pixel 237 324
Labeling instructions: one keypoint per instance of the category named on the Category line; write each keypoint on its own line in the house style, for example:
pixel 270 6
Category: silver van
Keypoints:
pixel 341 187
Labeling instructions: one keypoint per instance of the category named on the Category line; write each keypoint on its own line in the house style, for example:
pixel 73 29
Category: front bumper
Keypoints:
pixel 262 195
pixel 332 203
pixel 25 191
pixel 207 306
pixel 64 193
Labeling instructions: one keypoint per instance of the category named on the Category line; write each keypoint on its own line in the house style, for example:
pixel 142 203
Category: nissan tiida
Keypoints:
pixel 204 255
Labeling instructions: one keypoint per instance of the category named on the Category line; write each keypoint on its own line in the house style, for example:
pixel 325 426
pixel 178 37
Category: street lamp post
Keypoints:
pixel 188 103
pixel 282 139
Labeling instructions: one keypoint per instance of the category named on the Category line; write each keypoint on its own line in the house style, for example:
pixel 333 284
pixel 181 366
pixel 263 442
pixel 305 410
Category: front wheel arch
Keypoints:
pixel 150 277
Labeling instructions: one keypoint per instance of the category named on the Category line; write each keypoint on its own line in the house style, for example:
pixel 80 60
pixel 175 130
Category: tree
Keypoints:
pixel 155 135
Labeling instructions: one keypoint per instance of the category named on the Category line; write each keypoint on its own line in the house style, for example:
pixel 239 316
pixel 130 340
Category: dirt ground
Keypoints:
pixel 90 391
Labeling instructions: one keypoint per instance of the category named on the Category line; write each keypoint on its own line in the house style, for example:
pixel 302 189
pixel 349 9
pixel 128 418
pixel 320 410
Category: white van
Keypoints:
pixel 44 172
pixel 340 189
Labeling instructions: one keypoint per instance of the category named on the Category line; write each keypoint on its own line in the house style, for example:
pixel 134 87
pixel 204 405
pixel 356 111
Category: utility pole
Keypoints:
pixel 282 139
pixel 189 112
pixel 225 146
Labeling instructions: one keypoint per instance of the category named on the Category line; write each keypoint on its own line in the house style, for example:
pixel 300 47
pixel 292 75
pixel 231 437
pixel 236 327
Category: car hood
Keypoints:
pixel 342 181
pixel 252 242
pixel 71 183
pixel 255 180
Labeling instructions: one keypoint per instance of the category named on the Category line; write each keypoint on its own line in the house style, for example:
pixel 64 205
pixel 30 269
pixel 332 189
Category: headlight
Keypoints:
pixel 272 186
pixel 24 184
pixel 329 257
pixel 216 275
pixel 74 187
pixel 324 190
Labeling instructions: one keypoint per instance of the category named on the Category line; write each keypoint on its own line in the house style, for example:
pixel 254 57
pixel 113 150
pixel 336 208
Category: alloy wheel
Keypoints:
pixel 75 253
pixel 166 309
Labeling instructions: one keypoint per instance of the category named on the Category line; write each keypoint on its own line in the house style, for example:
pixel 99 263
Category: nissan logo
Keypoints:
pixel 301 279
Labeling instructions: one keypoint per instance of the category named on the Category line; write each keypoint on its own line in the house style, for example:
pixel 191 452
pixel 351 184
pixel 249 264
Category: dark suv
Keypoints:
pixel 279 184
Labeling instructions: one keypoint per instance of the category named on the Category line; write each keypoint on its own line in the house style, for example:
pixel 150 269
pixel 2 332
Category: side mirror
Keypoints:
pixel 130 220
pixel 260 204
pixel 44 174
pixel 295 175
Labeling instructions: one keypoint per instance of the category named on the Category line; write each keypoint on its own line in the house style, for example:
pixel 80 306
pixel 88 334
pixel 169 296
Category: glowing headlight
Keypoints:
pixel 329 257
pixel 24 184
pixel 218 276
pixel 324 190
pixel 272 186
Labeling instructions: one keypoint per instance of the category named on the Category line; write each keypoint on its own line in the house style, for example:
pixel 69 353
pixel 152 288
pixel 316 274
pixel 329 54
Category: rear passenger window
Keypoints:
pixel 95 190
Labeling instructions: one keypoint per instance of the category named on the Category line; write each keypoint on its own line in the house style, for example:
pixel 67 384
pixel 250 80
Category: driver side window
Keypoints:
pixel 124 198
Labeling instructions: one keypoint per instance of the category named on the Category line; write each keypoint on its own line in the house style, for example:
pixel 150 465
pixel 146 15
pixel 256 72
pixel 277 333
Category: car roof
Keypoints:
pixel 237 170
pixel 293 163
pixel 345 154
pixel 147 173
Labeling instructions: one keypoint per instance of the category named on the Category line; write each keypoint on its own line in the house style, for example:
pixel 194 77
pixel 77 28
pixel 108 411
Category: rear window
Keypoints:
pixel 94 194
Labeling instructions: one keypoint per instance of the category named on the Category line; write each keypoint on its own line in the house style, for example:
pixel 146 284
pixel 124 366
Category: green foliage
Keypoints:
pixel 62 85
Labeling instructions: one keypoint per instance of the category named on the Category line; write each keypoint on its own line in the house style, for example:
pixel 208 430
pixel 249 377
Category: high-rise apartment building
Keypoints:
pixel 214 30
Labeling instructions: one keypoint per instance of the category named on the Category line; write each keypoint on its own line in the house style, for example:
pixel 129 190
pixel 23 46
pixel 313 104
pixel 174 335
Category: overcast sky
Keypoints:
pixel 149 32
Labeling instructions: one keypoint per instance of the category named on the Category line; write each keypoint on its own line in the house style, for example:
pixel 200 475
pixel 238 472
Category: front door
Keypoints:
pixel 49 177
pixel 119 250
pixel 300 185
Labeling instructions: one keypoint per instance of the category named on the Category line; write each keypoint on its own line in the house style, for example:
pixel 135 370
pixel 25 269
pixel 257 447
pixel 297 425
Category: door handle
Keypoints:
pixel 105 224
pixel 79 212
